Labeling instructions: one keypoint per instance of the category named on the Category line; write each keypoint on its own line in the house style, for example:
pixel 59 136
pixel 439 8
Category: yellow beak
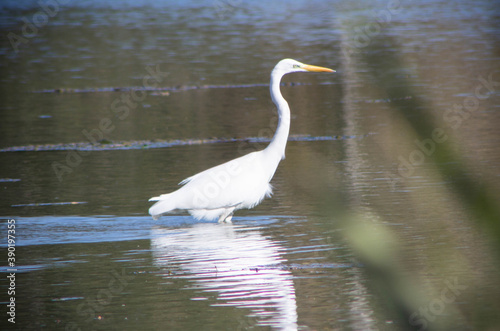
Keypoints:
pixel 309 67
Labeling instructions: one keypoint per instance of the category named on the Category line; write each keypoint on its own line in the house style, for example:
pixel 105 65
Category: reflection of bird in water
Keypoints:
pixel 244 181
pixel 235 264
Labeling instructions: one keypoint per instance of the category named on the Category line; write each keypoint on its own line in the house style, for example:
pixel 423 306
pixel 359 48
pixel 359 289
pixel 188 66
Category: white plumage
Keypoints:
pixel 240 183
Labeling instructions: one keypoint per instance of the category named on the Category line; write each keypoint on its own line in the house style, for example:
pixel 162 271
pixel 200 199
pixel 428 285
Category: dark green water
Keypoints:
pixel 125 99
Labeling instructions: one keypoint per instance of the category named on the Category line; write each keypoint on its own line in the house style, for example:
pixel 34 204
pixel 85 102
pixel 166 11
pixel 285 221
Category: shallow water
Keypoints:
pixel 110 103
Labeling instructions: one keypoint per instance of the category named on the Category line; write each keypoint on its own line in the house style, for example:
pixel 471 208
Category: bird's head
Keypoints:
pixel 287 66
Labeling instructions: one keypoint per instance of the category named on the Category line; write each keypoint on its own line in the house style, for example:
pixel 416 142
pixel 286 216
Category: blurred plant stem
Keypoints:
pixel 390 76
pixel 414 298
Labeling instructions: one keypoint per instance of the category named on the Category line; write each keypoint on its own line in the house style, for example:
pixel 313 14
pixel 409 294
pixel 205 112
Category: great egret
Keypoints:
pixel 244 181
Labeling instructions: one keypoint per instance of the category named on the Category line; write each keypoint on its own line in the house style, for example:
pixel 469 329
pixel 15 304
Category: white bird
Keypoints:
pixel 240 183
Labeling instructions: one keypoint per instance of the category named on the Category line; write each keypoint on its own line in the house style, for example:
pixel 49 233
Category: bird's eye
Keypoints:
pixel 296 66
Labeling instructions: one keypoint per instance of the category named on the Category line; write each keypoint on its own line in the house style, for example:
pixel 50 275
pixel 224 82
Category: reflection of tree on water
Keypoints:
pixel 236 263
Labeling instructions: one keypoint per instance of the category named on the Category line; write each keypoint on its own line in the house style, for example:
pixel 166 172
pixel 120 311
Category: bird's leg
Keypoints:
pixel 227 216
pixel 228 219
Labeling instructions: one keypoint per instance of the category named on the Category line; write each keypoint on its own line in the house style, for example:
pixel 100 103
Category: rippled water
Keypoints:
pixel 110 103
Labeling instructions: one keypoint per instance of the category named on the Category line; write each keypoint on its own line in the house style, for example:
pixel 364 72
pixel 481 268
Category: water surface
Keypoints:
pixel 110 103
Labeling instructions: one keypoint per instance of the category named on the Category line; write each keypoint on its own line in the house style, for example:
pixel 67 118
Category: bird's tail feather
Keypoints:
pixel 162 206
pixel 160 197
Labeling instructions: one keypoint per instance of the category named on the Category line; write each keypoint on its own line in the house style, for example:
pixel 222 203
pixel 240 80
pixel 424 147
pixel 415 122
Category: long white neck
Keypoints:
pixel 278 143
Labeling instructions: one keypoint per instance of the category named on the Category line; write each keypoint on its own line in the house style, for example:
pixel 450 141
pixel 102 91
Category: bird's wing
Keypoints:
pixel 239 182
pixel 187 180
pixel 231 167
